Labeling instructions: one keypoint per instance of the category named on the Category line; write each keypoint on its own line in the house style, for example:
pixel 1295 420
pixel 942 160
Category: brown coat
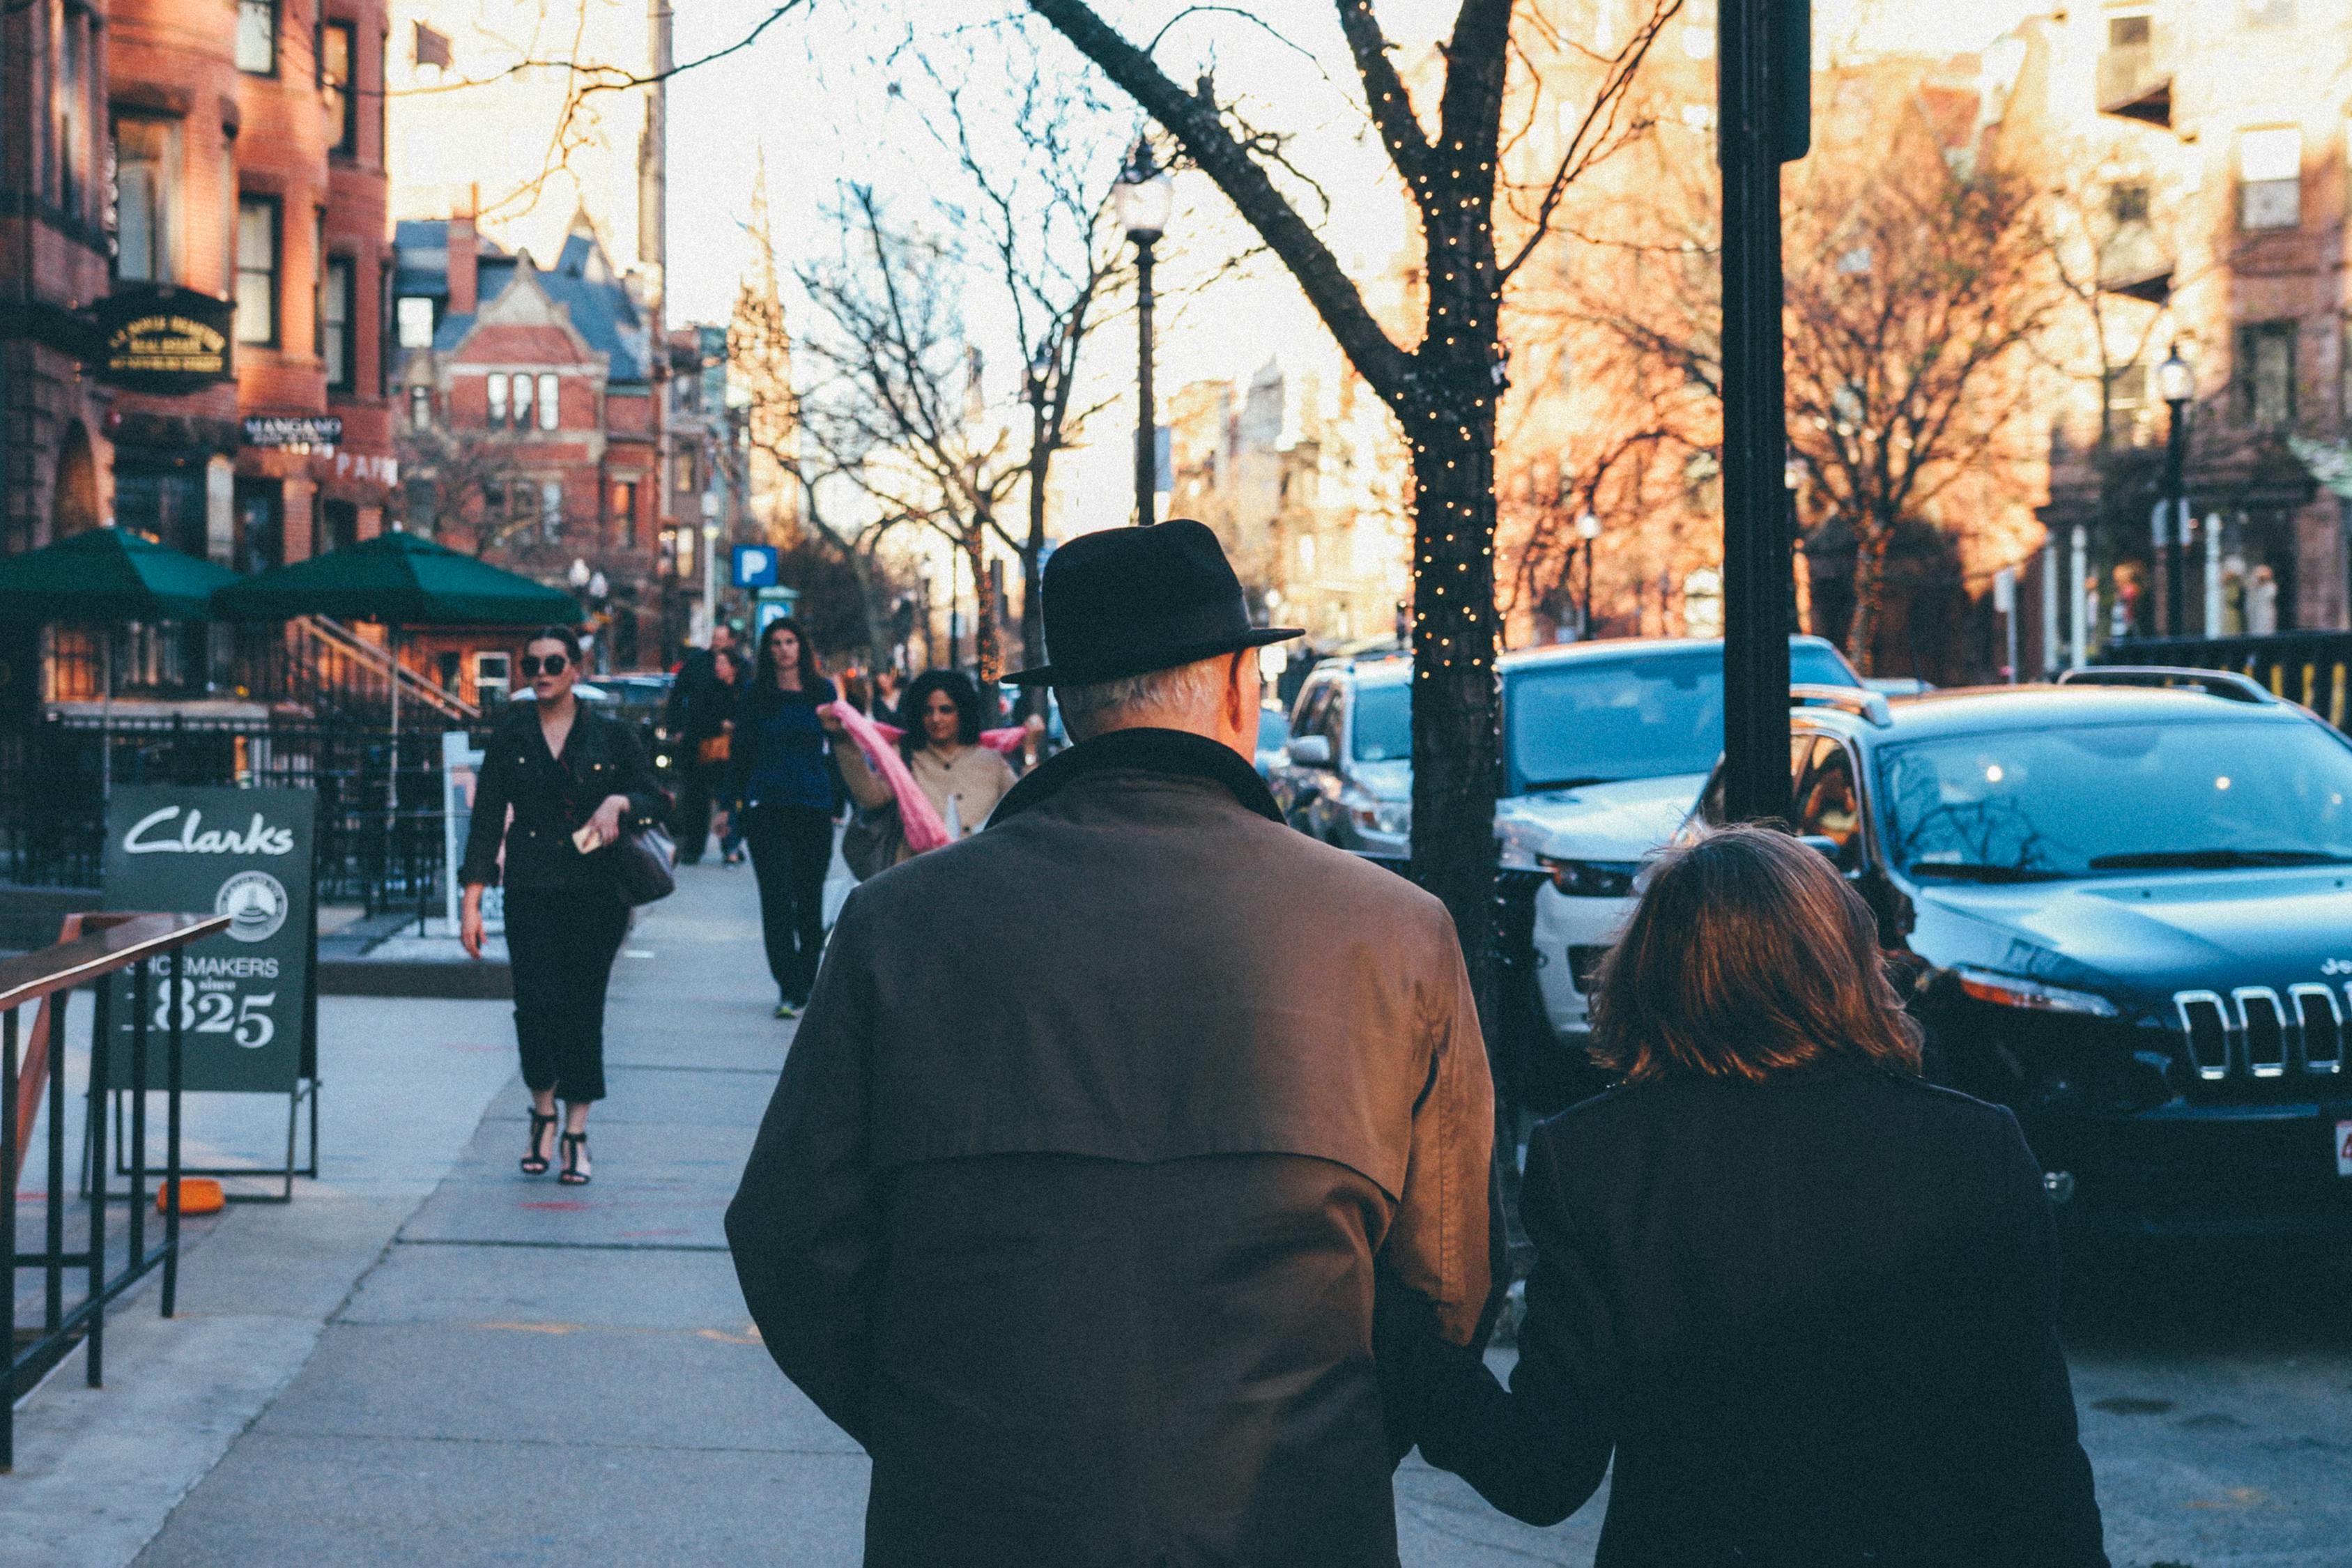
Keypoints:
pixel 1100 1131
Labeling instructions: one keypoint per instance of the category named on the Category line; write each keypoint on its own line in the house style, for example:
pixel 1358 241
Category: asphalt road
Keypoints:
pixel 508 1371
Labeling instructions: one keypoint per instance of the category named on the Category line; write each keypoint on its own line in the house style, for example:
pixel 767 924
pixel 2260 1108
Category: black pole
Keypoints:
pixel 1147 437
pixel 1763 88
pixel 2169 541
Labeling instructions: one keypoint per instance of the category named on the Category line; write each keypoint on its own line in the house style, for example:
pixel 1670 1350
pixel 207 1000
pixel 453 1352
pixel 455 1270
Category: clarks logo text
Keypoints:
pixel 149 836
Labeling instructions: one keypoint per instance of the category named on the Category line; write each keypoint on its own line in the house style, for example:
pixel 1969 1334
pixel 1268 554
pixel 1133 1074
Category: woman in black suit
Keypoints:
pixel 576 780
pixel 1807 1300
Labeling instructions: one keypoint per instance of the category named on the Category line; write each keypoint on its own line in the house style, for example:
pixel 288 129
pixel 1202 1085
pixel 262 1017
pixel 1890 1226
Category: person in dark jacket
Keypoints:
pixel 564 769
pixel 782 794
pixel 700 710
pixel 1807 1300
pixel 1077 1193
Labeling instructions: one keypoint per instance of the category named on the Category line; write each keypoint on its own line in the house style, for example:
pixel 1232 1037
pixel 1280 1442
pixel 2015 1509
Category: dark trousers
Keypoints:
pixel 691 825
pixel 791 847
pixel 561 943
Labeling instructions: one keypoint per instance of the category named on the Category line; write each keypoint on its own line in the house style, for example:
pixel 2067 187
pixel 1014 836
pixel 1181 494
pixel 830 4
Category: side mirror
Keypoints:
pixel 1825 844
pixel 1310 751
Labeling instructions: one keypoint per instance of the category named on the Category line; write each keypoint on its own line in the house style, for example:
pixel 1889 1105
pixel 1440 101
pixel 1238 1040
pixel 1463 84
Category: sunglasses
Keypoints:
pixel 553 664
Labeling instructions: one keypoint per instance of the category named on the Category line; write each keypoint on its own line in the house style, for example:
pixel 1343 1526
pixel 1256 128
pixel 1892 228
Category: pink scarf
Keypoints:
pixel 917 819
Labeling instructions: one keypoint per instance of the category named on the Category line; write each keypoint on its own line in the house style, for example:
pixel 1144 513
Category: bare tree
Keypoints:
pixel 1443 388
pixel 461 485
pixel 896 408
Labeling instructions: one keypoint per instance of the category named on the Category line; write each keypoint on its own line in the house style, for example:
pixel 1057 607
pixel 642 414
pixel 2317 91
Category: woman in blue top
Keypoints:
pixel 783 798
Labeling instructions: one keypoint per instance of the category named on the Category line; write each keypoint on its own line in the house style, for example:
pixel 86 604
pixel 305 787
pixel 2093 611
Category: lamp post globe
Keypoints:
pixel 1588 529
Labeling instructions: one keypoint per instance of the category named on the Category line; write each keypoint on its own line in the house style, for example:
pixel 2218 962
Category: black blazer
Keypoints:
pixel 552 796
pixel 1813 1319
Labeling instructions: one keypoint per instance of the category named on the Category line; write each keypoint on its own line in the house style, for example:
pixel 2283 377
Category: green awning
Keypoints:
pixel 109 575
pixel 401 579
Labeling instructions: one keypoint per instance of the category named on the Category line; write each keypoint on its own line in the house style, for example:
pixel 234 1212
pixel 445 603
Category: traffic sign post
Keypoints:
pixel 770 605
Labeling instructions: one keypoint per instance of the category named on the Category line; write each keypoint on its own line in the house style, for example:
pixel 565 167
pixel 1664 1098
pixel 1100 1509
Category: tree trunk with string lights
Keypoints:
pixel 1442 390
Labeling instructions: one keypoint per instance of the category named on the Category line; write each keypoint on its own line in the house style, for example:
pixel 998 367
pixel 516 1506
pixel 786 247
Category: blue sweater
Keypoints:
pixel 779 749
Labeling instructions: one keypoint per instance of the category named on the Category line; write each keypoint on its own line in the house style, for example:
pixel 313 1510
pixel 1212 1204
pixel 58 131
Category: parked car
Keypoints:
pixel 1272 739
pixel 1346 776
pixel 2129 912
pixel 1605 748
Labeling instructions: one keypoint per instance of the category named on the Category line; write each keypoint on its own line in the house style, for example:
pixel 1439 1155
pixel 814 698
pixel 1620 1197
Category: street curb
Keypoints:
pixel 467 981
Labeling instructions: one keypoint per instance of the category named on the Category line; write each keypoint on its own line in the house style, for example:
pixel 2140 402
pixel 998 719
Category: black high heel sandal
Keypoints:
pixel 575 1149
pixel 535 1163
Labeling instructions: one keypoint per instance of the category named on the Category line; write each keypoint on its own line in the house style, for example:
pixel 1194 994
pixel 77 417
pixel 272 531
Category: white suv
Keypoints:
pixel 1605 748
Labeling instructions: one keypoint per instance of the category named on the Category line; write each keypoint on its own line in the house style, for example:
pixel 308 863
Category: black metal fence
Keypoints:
pixel 2309 668
pixel 380 805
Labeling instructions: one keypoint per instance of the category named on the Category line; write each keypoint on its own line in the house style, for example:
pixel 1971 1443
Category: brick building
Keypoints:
pixel 531 416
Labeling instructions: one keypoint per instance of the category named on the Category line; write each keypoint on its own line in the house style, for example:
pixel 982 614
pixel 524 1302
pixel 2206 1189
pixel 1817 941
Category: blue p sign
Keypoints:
pixel 755 566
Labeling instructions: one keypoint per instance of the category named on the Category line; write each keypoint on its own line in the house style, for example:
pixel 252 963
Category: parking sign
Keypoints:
pixel 755 566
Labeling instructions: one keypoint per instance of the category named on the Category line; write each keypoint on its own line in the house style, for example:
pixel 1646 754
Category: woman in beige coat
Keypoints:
pixel 962 779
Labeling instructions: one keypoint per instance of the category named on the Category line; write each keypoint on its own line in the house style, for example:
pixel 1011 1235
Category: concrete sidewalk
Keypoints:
pixel 455 1364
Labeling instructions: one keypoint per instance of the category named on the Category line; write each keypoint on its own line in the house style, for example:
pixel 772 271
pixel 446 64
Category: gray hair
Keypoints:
pixel 1185 688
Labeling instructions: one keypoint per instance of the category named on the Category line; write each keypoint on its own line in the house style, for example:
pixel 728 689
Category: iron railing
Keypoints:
pixel 2314 668
pixel 380 809
pixel 46 979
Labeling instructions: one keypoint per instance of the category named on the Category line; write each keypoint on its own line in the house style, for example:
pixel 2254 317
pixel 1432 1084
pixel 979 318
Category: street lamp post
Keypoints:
pixel 1588 529
pixel 1143 195
pixel 2176 383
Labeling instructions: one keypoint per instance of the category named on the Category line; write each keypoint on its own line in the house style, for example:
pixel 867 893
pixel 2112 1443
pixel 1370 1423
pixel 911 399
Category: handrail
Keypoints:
pixel 121 941
pixel 333 635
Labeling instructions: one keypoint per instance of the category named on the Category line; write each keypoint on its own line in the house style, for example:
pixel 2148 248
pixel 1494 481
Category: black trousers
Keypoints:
pixel 791 847
pixel 690 826
pixel 561 943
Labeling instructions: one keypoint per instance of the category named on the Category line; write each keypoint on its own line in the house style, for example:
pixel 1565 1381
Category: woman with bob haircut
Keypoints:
pixel 1806 1300
pixel 962 779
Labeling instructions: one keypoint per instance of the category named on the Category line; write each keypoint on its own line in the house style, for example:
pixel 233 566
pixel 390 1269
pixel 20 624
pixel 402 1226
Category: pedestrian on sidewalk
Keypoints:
pixel 1076 1194
pixel 576 780
pixel 961 778
pixel 698 715
pixel 782 794
pixel 1805 1299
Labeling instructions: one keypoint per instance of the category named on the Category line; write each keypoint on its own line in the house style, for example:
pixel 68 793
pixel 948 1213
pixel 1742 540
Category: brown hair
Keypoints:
pixel 1748 956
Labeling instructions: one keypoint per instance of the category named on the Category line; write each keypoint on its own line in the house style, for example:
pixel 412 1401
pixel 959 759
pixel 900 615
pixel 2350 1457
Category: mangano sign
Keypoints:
pixel 246 1000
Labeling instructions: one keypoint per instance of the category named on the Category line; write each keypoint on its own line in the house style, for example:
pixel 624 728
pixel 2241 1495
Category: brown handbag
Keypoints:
pixel 712 751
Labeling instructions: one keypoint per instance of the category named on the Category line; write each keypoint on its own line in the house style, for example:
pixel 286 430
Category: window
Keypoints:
pixel 550 505
pixel 339 525
pixel 2127 387
pixel 256 36
pixel 342 343
pixel 497 389
pixel 550 408
pixel 2128 32
pixel 684 464
pixel 2129 203
pixel 72 100
pixel 2269 178
pixel 147 200
pixel 625 508
pixel 319 284
pixel 420 408
pixel 412 319
pixel 256 270
pixel 522 385
pixel 336 52
pixel 492 674
pixel 2265 375
pixel 1827 806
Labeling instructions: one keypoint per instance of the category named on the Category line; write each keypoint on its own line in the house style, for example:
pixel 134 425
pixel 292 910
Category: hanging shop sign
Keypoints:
pixel 301 432
pixel 162 339
pixel 245 998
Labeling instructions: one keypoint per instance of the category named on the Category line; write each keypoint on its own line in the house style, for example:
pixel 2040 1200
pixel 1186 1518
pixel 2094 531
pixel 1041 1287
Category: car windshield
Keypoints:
pixel 2020 804
pixel 1383 731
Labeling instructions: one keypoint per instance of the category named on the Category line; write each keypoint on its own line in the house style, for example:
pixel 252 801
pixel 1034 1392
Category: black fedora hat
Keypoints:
pixel 1127 601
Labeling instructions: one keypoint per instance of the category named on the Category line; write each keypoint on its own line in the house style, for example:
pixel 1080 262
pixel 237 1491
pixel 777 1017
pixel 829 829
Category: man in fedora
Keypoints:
pixel 1080 1182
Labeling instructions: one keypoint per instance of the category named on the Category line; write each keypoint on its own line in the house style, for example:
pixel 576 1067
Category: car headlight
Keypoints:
pixel 1591 878
pixel 2034 995
pixel 1393 817
pixel 1515 844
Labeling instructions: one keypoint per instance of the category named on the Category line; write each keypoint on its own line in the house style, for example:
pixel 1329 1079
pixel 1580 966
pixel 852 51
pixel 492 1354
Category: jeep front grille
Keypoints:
pixel 2254 1032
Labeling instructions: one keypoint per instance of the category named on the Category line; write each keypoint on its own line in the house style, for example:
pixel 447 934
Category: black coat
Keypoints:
pixel 552 798
pixel 1103 1131
pixel 1814 1319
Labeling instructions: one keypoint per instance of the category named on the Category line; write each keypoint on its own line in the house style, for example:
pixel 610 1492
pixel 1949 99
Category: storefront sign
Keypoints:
pixel 368 469
pixel 159 339
pixel 301 430
pixel 246 1008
